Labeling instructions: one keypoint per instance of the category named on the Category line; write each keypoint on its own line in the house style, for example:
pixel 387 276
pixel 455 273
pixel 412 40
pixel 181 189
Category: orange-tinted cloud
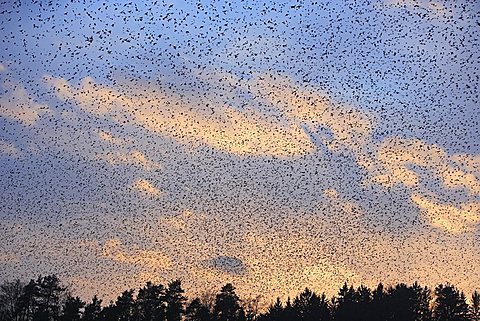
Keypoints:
pixel 453 219
pixel 145 258
pixel 302 105
pixel 145 187
pixel 272 122
pixel 108 137
pixel 17 104
pixel 133 158
pixel 226 128
pixel 276 130
pixel 398 158
pixel 9 258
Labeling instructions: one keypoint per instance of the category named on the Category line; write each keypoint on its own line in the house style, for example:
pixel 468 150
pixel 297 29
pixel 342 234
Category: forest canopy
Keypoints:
pixel 47 299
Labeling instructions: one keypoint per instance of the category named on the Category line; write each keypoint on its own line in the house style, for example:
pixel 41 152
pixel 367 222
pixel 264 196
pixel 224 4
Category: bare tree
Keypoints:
pixel 10 293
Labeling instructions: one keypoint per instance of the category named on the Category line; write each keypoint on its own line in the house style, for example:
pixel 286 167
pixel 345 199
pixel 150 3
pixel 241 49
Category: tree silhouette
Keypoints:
pixel 92 310
pixel 49 294
pixel 109 313
pixel 40 300
pixel 28 302
pixel 150 303
pixel 175 301
pixel 408 303
pixel 72 309
pixel 421 305
pixel 250 306
pixel 450 304
pixel 475 307
pixel 346 304
pixel 45 299
pixel 288 312
pixel 121 310
pixel 275 311
pixel 378 306
pixel 227 305
pixel 308 306
pixel 363 301
pixel 197 311
pixel 10 294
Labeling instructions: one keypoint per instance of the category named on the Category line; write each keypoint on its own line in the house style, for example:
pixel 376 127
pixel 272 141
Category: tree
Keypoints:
pixel 408 303
pixel 109 313
pixel 379 311
pixel 10 294
pixel 124 305
pixel 309 306
pixel 250 306
pixel 71 309
pixel 275 311
pixel 92 310
pixel 450 304
pixel 121 310
pixel 421 305
pixel 41 300
pixel 175 301
pixel 288 312
pixel 346 304
pixel 363 301
pixel 227 305
pixel 197 311
pixel 48 298
pixel 207 298
pixel 150 303
pixel 28 301
pixel 475 307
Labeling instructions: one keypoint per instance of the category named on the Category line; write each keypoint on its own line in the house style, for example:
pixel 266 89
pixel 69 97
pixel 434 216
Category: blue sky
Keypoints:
pixel 314 143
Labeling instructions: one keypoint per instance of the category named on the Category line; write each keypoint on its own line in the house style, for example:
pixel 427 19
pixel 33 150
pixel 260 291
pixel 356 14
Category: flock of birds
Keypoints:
pixel 238 141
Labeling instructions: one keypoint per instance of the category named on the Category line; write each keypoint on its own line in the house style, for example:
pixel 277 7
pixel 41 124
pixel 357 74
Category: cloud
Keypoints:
pixel 415 165
pixel 8 148
pixel 145 258
pixel 3 67
pixel 288 222
pixel 94 99
pixel 9 258
pixel 182 221
pixel 145 187
pixel 17 104
pixel 108 137
pixel 450 218
pixel 280 260
pixel 434 9
pixel 271 123
pixel 307 105
pixel 133 158
pixel 397 154
pixel 454 178
pixel 467 162
pixel 285 264
pixel 398 160
pixel 331 193
pixel 225 128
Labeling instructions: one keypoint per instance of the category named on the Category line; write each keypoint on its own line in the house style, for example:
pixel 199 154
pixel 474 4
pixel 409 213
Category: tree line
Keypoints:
pixel 46 299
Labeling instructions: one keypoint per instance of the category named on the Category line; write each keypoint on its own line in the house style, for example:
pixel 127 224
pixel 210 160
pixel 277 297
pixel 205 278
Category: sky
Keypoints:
pixel 274 145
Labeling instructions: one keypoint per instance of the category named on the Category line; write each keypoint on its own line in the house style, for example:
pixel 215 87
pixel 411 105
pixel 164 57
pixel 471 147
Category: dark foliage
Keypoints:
pixel 45 299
